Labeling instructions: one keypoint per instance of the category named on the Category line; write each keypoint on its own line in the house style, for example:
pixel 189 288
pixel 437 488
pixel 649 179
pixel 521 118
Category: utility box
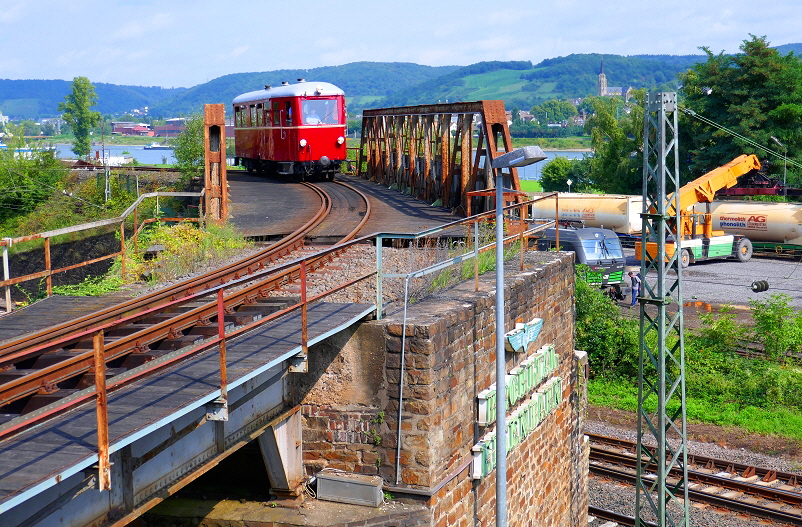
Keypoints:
pixel 345 487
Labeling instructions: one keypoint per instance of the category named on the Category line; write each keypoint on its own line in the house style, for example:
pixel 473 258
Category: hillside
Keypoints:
pixel 365 81
pixel 32 99
pixel 522 85
pixel 380 84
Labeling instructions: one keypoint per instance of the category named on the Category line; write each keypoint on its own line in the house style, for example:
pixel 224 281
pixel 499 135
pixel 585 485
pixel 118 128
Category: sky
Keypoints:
pixel 182 43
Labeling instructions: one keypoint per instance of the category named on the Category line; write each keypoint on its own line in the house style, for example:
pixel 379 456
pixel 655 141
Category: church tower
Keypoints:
pixel 602 81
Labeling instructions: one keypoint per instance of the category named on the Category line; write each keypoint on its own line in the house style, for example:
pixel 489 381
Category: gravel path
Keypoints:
pixel 729 281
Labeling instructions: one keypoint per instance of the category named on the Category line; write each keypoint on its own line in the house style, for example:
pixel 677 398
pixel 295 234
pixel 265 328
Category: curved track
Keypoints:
pixel 41 368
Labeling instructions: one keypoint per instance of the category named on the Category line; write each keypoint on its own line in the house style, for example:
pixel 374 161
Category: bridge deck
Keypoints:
pixel 53 310
pixel 65 445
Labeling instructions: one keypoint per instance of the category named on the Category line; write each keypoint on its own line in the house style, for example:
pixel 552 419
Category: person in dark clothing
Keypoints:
pixel 635 288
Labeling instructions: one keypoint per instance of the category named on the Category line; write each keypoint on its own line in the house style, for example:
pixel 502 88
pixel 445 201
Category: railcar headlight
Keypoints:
pixel 340 140
pixel 302 143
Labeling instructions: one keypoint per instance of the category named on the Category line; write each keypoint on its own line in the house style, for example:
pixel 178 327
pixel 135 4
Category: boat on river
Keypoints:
pixel 158 146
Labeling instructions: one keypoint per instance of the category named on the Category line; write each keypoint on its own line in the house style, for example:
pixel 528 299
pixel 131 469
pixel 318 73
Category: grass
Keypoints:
pixel 777 421
pixel 555 143
pixel 527 185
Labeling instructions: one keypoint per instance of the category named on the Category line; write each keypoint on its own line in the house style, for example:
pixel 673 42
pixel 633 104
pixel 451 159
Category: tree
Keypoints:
pixel 558 171
pixel 30 128
pixel 756 94
pixel 26 181
pixel 554 111
pixel 189 149
pixel 554 176
pixel 76 110
pixel 617 163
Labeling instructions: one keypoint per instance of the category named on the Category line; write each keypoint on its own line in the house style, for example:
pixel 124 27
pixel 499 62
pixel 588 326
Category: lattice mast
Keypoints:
pixel 662 474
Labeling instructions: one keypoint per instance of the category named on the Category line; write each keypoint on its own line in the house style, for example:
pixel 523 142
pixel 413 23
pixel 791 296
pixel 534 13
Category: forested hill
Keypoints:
pixel 520 84
pixel 363 82
pixel 31 99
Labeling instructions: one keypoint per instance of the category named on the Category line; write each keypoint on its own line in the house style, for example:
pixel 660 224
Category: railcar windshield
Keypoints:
pixel 602 249
pixel 321 111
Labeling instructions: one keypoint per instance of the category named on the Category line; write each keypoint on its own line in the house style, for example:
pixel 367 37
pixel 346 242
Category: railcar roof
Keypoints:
pixel 586 233
pixel 298 89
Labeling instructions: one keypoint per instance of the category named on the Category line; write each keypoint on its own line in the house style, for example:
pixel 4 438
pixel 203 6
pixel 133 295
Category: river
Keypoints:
pixel 533 171
pixel 155 157
pixel 138 152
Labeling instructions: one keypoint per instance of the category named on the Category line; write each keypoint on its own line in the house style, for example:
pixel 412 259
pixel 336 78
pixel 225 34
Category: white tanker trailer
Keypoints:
pixel 616 212
pixel 776 227
pixel 769 225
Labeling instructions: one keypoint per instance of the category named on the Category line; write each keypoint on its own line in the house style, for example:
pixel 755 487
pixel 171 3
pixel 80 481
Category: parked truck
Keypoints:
pixel 693 229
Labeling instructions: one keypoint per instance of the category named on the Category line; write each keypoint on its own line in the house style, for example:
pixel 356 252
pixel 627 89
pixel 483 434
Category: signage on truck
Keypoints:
pixel 755 222
pixel 586 213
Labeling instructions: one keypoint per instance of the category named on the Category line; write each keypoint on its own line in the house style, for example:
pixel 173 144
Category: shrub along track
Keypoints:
pixel 41 371
pixel 723 484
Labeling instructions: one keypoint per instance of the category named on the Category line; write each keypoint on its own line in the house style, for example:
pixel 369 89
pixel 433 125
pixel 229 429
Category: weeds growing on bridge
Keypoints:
pixel 185 249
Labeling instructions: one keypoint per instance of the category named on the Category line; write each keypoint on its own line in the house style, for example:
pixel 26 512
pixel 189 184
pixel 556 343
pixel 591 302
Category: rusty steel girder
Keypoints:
pixel 428 151
pixel 215 178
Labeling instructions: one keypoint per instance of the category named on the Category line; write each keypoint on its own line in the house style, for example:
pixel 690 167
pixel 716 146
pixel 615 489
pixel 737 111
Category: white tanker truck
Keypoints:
pixel 772 227
pixel 619 213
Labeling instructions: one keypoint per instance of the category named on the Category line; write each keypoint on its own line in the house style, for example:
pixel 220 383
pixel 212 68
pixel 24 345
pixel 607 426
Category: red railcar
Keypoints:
pixel 294 130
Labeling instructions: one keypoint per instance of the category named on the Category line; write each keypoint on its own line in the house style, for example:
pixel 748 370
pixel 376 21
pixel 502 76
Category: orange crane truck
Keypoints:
pixel 695 231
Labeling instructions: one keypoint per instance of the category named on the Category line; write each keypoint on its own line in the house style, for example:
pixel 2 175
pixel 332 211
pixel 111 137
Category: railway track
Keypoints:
pixel 42 371
pixel 752 490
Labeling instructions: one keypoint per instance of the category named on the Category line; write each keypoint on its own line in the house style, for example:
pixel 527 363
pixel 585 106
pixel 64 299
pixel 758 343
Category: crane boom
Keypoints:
pixel 703 189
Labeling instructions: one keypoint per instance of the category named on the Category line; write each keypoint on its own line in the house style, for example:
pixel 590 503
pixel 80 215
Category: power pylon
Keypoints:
pixel 662 484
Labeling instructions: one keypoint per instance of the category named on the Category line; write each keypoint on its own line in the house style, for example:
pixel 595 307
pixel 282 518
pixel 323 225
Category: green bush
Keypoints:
pixel 777 325
pixel 721 386
pixel 611 340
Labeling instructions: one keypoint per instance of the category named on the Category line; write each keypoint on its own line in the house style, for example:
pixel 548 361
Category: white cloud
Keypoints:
pixel 13 12
pixel 239 50
pixel 139 28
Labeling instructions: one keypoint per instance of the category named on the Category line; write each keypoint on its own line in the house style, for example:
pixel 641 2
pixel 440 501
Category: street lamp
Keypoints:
pixel 785 163
pixel 517 158
pixel 569 185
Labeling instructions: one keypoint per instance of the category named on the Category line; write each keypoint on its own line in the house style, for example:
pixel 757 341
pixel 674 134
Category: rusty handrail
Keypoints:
pixel 48 272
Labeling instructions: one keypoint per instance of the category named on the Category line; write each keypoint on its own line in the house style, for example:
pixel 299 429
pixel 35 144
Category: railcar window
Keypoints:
pixel 276 117
pixel 604 248
pixel 321 111
pixel 288 113
pixel 238 116
pixel 252 111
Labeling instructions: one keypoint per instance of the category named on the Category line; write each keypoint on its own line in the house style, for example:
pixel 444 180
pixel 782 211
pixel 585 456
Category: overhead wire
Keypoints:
pixel 751 142
pixel 743 138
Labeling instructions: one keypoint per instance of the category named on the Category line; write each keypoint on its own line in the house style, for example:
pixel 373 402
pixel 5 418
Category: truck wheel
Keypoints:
pixel 685 258
pixel 743 250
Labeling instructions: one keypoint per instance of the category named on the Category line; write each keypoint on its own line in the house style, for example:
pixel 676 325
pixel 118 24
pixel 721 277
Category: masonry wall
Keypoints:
pixel 351 401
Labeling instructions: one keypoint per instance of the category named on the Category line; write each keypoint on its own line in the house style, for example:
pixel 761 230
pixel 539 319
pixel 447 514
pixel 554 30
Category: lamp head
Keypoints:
pixel 519 157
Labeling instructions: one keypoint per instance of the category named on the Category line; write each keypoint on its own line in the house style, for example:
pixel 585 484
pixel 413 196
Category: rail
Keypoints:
pixel 228 292
pixel 48 271
pixel 710 480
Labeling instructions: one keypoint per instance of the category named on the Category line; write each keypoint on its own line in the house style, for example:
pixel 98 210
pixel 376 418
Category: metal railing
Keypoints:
pixel 251 286
pixel 48 271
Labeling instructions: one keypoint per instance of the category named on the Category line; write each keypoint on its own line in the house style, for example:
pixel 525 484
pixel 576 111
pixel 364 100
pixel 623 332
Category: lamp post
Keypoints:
pixel 785 163
pixel 569 185
pixel 517 158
